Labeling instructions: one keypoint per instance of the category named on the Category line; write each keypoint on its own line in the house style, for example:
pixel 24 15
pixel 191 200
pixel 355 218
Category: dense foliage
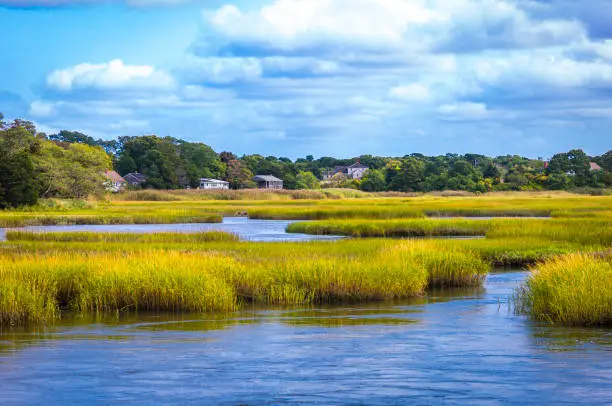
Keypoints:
pixel 71 164
pixel 33 166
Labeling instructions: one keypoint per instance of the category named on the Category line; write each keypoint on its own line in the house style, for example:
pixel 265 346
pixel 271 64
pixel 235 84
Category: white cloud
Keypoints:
pixel 286 26
pixel 218 70
pixel 415 92
pixel 301 24
pixel 293 72
pixel 464 111
pixel 546 67
pixel 42 109
pixel 114 75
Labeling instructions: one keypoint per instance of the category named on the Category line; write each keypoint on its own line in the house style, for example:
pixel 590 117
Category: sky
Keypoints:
pixel 316 77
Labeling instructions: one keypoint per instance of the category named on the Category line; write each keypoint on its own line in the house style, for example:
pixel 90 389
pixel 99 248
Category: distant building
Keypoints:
pixel 355 171
pixel 595 167
pixel 135 179
pixel 268 182
pixel 207 183
pixel 114 182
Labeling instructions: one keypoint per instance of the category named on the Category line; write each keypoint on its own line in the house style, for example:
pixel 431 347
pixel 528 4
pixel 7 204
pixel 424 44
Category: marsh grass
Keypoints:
pixel 42 277
pixel 49 278
pixel 207 236
pixel 243 194
pixel 395 228
pixel 24 220
pixel 575 289
pixel 334 212
pixel 586 231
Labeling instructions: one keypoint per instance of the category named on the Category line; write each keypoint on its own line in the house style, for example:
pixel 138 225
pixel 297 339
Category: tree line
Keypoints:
pixel 71 164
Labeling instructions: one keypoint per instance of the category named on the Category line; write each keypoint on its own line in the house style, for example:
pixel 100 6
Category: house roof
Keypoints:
pixel 266 178
pixel 595 167
pixel 358 165
pixel 135 177
pixel 114 177
pixel 209 180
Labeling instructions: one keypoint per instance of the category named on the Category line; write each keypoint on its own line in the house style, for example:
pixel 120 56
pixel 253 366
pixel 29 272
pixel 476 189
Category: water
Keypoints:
pixel 452 347
pixel 246 229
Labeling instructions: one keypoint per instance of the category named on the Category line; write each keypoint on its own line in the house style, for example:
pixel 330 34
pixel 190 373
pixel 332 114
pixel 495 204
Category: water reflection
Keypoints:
pixel 452 346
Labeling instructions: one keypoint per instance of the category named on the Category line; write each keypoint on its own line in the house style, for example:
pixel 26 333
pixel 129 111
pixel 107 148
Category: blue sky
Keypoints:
pixel 321 77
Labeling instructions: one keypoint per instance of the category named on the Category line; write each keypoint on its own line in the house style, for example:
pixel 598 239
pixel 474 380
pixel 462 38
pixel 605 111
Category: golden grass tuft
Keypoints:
pixel 575 289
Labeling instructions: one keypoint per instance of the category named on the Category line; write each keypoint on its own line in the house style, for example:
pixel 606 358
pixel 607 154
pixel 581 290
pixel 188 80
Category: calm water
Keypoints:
pixel 453 347
pixel 246 229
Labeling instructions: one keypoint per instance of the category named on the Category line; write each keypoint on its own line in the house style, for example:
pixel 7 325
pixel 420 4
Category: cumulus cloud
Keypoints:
pixel 361 72
pixel 463 111
pixel 114 75
pixel 413 92
pixel 545 68
pixel 220 70
pixel 377 26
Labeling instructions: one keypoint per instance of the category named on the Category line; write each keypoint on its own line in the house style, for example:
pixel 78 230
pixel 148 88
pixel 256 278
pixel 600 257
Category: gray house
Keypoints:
pixel 268 182
pixel 355 171
pixel 135 179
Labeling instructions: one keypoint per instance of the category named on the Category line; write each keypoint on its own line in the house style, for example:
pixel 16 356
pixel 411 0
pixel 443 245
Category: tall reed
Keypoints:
pixel 575 289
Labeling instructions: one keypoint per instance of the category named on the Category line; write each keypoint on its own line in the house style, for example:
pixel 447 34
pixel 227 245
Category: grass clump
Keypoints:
pixel 334 212
pixel 207 236
pixel 11 220
pixel 587 231
pixel 575 289
pixel 52 277
pixel 394 228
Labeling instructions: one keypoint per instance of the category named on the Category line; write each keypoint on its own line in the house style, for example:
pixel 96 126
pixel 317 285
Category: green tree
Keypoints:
pixel 373 181
pixel 84 167
pixel 306 180
pixel 605 161
pixel 410 177
pixel 17 183
pixel 239 176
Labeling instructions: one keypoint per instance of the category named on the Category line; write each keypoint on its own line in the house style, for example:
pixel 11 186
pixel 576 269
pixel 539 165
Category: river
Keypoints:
pixel 247 229
pixel 451 347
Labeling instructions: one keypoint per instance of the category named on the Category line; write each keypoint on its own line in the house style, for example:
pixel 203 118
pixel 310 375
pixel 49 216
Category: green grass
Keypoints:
pixel 586 231
pixel 572 290
pixel 206 236
pixel 334 212
pixel 44 277
pixel 394 228
pixel 24 220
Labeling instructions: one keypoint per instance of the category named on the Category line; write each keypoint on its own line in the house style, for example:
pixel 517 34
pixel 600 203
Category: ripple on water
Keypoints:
pixel 452 347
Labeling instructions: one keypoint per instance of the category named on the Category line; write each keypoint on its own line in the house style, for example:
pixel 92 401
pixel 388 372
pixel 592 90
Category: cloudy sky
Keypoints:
pixel 321 77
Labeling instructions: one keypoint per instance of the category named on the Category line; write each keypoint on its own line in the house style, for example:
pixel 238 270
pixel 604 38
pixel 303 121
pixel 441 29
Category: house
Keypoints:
pixel 114 182
pixel 268 182
pixel 207 183
pixel 355 171
pixel 595 167
pixel 135 179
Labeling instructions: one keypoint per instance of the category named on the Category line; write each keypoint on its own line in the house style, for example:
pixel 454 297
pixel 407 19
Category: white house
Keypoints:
pixel 355 171
pixel 114 182
pixel 207 183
